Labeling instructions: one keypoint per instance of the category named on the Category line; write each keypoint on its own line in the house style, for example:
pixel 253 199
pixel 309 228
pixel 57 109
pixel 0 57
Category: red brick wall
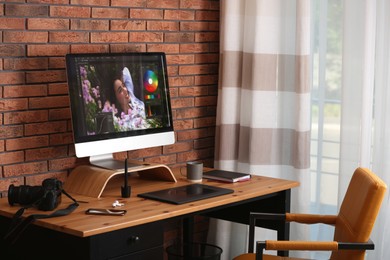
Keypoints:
pixel 35 128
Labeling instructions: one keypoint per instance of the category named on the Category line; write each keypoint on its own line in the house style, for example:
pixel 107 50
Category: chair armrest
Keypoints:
pixel 311 218
pixel 310 246
pixel 299 218
pixel 286 217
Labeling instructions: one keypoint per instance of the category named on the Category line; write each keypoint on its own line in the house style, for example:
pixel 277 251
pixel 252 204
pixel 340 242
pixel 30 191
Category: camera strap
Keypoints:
pixel 18 225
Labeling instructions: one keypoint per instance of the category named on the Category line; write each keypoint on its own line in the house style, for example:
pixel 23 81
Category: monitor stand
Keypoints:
pixel 107 161
pixel 91 180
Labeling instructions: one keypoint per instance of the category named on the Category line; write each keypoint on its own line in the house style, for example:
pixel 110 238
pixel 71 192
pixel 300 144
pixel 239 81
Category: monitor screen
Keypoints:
pixel 119 102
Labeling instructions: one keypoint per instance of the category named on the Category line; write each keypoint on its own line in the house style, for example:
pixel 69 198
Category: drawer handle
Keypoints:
pixel 133 239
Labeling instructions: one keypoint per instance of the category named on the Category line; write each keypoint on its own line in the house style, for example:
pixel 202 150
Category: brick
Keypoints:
pixel 192 134
pixel 45 128
pixel 179 15
pixel 114 13
pixel 58 88
pixel 49 102
pixel 179 37
pixel 2 145
pixel 57 62
pixel 47 50
pixel 163 26
pixel 59 114
pixel 91 2
pixel 11 131
pixel 162 159
pixel 183 124
pixel 146 37
pixel 70 11
pixel 45 76
pixel 182 102
pixel 178 147
pixel 70 37
pixel 194 26
pixel 173 70
pixel 207 15
pixel 46 153
pixel 194 48
pixel 21 117
pixel 163 3
pixel 207 58
pixel 147 152
pixel 204 122
pixel 24 169
pixel 26 143
pixel 131 25
pixel 109 37
pixel 89 48
pixel 196 69
pixel 214 26
pixel 181 81
pixel 90 25
pixel 194 155
pixel 207 37
pixel 25 91
pixel 25 63
pixel 5 183
pixel 62 138
pixel 193 91
pixel 11 157
pixel 36 180
pixel 11 78
pixel 206 80
pixel 167 48
pixel 25 37
pixel 1 9
pixel 13 104
pixel 62 164
pixel 204 143
pixel 127 3
pixel 206 101
pixel 26 10
pixel 195 4
pixel 180 59
pixel 128 47
pixel 12 23
pixel 146 14
pixel 7 50
pixel 47 24
pixel 193 112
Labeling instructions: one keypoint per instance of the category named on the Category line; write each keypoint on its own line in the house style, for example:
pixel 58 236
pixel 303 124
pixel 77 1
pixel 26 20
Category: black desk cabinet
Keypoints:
pixel 139 242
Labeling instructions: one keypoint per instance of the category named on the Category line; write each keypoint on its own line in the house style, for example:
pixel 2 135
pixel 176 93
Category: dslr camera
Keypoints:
pixel 45 197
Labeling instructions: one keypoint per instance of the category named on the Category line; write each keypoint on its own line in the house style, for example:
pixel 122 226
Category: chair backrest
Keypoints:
pixel 358 211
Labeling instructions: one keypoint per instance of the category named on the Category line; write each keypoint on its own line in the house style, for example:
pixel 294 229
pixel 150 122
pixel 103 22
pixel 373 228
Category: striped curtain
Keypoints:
pixel 263 112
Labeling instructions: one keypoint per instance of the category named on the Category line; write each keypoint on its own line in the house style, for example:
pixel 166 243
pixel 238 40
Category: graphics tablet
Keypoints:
pixel 185 194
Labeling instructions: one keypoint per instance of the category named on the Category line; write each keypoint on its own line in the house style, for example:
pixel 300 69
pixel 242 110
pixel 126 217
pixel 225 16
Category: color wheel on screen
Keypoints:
pixel 150 81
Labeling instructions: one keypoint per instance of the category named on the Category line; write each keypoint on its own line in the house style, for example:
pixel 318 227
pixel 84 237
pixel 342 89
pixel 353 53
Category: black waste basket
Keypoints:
pixel 194 251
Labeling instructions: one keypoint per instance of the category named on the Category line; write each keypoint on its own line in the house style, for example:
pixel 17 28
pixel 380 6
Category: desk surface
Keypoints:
pixel 142 211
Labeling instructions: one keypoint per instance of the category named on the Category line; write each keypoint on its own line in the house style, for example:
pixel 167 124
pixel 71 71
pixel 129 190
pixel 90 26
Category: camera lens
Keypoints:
pixel 24 194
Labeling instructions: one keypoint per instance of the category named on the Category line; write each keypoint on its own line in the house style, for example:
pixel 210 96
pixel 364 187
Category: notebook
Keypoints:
pixel 227 176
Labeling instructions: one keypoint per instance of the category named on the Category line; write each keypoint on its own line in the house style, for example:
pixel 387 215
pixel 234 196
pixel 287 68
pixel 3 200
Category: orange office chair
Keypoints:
pixel 353 224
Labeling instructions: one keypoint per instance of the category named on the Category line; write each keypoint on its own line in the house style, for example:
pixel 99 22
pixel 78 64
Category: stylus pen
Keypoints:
pixel 126 181
pixel 126 188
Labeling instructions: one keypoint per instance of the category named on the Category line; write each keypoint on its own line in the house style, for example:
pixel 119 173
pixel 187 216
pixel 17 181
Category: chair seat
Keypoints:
pixel 252 256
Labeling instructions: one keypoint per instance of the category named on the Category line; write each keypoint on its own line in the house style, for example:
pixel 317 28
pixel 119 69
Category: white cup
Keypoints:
pixel 194 171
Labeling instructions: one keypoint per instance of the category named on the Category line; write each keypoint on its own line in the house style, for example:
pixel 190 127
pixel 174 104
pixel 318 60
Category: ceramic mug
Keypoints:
pixel 194 171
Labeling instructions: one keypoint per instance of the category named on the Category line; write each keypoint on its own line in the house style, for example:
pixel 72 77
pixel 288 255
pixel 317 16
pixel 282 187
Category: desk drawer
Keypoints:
pixel 126 241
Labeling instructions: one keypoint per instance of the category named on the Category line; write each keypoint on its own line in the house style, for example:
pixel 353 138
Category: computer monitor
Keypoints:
pixel 119 102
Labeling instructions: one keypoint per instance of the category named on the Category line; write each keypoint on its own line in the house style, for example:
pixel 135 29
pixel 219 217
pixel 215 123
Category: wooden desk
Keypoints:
pixel 82 236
